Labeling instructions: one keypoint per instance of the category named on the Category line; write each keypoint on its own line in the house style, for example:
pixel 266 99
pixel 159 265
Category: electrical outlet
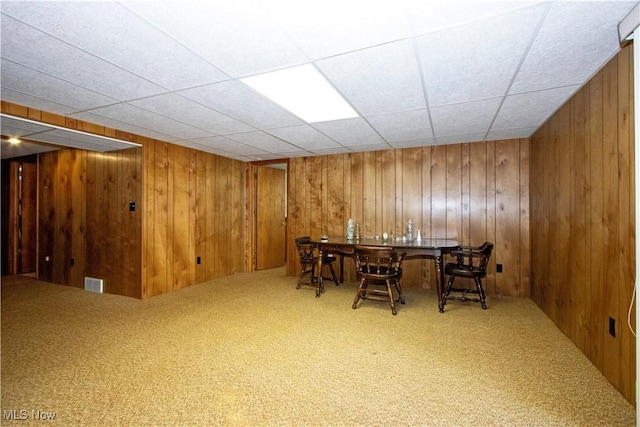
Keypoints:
pixel 499 268
pixel 612 327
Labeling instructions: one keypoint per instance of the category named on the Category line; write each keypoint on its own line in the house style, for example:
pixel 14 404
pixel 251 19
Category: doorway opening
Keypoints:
pixel 19 219
pixel 268 218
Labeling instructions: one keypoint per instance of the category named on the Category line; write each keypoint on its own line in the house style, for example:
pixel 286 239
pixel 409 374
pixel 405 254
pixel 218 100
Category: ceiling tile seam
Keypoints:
pixel 117 101
pixel 39 97
pixel 418 58
pixel 175 39
pixel 180 121
pixel 122 126
pixel 230 136
pixel 88 53
pixel 291 143
pixel 532 39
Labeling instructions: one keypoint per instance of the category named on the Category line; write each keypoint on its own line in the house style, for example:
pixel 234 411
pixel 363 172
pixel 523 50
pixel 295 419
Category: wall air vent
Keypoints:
pixel 93 285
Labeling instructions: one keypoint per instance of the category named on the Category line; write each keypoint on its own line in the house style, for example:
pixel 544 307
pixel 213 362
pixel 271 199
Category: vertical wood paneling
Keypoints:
pixel 427 273
pixel 409 205
pixel 580 236
pixel 507 211
pixel 627 217
pixel 439 187
pixel 188 204
pixel 582 208
pixel 200 224
pixel 181 216
pixel 597 276
pixel 492 224
pixel 611 243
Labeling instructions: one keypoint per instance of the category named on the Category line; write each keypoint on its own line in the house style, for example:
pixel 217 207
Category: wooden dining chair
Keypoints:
pixel 471 262
pixel 379 271
pixel 308 253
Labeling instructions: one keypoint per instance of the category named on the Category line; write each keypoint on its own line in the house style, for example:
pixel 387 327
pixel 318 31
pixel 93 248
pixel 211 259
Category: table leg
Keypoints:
pixel 440 282
pixel 341 268
pixel 319 284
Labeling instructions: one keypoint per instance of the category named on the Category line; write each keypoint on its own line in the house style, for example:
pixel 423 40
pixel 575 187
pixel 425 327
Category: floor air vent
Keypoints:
pixel 93 285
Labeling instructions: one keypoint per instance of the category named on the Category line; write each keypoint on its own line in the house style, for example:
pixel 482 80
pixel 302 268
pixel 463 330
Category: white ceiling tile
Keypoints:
pixel 575 40
pixel 263 141
pixel 186 110
pixel 33 83
pixel 332 27
pixel 436 15
pixel 531 109
pixel 304 136
pixel 123 126
pixel 52 56
pixel 126 113
pixel 142 48
pixel 350 132
pixel 230 146
pixel 238 100
pixel 168 70
pixel 238 37
pixel 476 61
pixel 35 102
pixel 401 126
pixel 462 119
pixel 378 80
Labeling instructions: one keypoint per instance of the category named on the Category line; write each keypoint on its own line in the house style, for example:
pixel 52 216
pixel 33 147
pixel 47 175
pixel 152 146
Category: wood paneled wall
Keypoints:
pixel 582 211
pixel 190 206
pixel 194 209
pixel 85 226
pixel 469 192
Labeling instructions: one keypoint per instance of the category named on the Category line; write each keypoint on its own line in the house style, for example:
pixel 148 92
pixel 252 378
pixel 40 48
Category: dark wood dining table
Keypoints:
pixel 426 248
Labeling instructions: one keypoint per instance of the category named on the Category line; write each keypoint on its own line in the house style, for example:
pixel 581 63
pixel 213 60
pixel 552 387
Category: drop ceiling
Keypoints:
pixel 418 72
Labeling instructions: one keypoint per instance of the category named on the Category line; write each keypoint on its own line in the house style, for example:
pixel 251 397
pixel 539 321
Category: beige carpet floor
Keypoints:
pixel 251 350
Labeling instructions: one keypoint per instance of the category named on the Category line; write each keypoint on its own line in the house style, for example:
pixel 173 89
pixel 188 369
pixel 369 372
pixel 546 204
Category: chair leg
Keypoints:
pixel 391 299
pixel 333 274
pixel 399 289
pixel 360 292
pixel 447 291
pixel 481 293
pixel 303 273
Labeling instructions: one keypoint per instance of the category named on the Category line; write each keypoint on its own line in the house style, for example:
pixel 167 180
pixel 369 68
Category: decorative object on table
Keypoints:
pixel 357 234
pixel 418 236
pixel 324 238
pixel 385 236
pixel 409 230
pixel 350 229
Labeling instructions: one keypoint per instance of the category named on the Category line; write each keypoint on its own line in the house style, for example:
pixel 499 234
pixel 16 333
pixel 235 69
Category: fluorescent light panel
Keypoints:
pixel 303 91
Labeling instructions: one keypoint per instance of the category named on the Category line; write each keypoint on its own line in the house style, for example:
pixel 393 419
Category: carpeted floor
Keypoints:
pixel 252 350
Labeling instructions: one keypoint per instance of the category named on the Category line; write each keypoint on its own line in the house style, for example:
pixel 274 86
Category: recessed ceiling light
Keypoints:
pixel 303 91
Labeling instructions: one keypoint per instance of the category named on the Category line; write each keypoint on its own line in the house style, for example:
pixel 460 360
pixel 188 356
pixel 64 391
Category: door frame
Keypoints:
pixel 252 207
